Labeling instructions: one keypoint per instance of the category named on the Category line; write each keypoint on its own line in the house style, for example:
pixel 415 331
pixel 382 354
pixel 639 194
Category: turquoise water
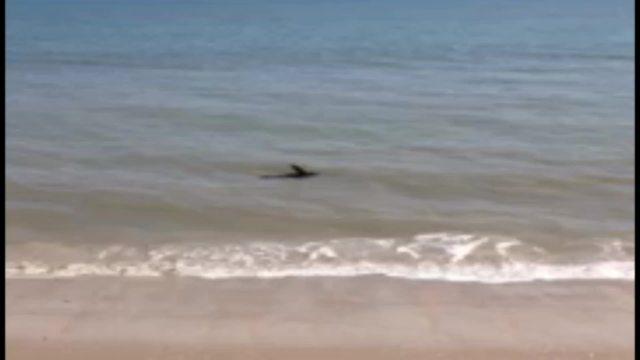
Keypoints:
pixel 146 124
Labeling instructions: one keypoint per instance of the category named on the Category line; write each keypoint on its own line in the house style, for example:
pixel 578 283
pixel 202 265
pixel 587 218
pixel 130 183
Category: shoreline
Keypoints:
pixel 369 317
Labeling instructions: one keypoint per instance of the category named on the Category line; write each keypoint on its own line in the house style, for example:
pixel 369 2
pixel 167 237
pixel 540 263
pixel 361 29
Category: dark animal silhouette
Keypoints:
pixel 298 173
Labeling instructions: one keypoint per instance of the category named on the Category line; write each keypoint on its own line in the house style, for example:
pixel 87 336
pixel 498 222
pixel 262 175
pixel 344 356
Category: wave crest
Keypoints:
pixel 434 256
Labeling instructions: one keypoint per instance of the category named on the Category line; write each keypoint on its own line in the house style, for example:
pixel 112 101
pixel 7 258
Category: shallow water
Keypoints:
pixel 145 126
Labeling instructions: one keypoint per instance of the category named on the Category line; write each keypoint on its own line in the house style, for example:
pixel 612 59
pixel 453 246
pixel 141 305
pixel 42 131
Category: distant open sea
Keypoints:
pixel 486 141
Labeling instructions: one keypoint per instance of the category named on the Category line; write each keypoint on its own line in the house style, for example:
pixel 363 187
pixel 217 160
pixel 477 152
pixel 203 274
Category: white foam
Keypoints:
pixel 324 251
pixel 502 248
pixel 440 256
pixel 460 251
pixel 515 272
pixel 409 250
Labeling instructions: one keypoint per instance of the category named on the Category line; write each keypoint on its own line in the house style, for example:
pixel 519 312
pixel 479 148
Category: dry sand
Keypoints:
pixel 317 318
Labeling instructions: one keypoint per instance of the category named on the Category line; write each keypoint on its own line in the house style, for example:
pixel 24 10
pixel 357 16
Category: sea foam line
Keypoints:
pixel 435 256
pixel 515 272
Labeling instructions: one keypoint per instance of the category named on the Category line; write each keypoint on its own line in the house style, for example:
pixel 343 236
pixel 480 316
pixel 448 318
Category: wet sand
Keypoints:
pixel 317 318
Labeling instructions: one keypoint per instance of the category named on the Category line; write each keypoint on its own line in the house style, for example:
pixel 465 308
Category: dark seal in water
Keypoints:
pixel 298 173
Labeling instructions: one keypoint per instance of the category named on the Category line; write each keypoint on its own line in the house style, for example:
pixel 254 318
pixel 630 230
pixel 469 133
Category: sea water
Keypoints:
pixel 456 140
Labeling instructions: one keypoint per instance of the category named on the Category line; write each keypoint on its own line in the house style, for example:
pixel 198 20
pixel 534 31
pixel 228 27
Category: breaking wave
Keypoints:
pixel 436 256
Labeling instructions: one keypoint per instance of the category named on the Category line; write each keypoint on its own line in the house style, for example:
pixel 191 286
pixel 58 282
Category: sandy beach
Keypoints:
pixel 317 318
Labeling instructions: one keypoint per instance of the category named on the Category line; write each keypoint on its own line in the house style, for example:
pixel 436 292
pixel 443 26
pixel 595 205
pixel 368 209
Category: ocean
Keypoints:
pixel 483 141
